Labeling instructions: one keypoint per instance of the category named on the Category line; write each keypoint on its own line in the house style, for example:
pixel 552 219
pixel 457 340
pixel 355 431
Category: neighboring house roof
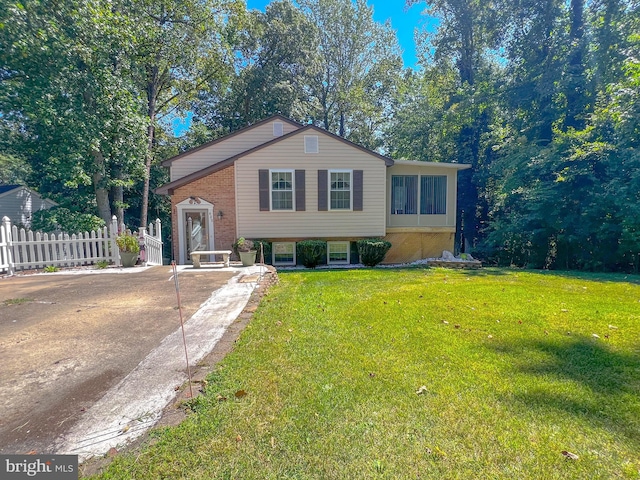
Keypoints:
pixel 8 188
pixel 169 161
pixel 168 188
pixel 18 203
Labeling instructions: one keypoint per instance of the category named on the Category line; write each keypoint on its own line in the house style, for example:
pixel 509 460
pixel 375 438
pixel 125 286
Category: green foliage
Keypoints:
pixel 16 301
pixel 277 50
pixel 13 170
pixel 311 253
pixel 372 251
pixel 357 68
pixel 128 243
pixel 242 245
pixel 50 269
pixel 60 219
pixel 266 250
pixel 102 264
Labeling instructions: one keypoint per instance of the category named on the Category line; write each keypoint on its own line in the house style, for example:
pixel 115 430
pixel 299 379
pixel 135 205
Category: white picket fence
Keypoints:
pixel 21 249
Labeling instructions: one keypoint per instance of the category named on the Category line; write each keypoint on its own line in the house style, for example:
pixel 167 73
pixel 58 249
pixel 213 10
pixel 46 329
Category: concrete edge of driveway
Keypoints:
pixel 135 404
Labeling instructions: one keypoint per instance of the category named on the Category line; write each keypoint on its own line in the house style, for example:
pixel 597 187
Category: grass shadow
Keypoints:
pixel 612 377
pixel 595 277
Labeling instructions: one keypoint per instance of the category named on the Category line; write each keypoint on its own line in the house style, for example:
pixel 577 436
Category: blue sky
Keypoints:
pixel 403 21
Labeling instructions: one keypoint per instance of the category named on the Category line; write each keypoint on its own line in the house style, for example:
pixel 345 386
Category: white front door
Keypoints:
pixel 195 228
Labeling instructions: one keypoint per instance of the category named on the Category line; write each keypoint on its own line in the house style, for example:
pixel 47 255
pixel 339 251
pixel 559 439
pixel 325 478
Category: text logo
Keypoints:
pixel 51 467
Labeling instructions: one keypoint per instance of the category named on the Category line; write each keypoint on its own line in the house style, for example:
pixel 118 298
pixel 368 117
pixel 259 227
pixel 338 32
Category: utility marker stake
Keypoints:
pixel 184 339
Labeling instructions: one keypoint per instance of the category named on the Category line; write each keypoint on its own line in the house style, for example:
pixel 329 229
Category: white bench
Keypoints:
pixel 195 256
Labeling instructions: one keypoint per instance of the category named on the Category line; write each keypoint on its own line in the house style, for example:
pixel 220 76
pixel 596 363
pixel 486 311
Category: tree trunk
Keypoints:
pixel 100 187
pixel 117 196
pixel 152 91
pixel 575 90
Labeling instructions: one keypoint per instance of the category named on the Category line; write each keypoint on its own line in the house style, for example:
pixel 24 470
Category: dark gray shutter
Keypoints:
pixel 357 190
pixel 323 194
pixel 300 191
pixel 263 189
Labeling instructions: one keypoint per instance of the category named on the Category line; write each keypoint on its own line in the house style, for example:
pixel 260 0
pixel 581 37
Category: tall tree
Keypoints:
pixel 575 75
pixel 359 63
pixel 467 37
pixel 535 51
pixel 275 51
pixel 67 97
pixel 181 46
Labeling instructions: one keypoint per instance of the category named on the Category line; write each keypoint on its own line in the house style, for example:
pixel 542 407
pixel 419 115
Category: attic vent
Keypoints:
pixel 310 144
pixel 278 129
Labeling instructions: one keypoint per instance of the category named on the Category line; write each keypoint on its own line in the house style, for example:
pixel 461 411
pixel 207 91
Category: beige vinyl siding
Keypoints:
pixel 226 148
pixel 289 154
pixel 417 220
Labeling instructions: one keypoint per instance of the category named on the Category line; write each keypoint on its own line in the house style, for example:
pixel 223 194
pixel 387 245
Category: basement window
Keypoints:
pixel 284 253
pixel 338 253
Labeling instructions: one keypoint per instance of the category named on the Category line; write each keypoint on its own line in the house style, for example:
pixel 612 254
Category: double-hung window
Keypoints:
pixel 284 253
pixel 338 253
pixel 282 189
pixel 433 194
pixel 340 189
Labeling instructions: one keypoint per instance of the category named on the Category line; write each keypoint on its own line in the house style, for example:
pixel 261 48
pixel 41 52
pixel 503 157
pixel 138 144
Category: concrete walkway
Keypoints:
pixel 135 404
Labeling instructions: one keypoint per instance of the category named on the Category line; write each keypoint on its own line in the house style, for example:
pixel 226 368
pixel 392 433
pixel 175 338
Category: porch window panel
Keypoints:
pixel 404 194
pixel 433 194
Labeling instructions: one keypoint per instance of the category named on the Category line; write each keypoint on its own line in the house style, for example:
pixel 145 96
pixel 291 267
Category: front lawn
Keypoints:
pixel 419 373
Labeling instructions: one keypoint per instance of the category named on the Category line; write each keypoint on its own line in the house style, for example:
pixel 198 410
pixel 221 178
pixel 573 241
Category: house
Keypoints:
pixel 281 181
pixel 19 202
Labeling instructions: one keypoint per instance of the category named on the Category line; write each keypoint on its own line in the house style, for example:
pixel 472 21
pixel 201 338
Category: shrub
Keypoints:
pixel 128 243
pixel 372 251
pixel 311 253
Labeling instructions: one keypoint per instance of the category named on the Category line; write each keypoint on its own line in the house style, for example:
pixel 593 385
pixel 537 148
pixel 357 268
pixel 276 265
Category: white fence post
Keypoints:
pixel 113 246
pixel 158 230
pixel 6 253
pixel 142 237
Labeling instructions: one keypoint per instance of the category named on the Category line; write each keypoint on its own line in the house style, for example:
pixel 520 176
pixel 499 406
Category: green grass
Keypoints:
pixel 332 361
pixel 16 301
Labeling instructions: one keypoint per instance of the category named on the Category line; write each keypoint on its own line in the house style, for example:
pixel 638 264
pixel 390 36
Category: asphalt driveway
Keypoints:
pixel 65 340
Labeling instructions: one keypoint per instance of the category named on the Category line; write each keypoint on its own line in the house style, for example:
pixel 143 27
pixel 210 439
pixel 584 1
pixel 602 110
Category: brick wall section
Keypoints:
pixel 219 189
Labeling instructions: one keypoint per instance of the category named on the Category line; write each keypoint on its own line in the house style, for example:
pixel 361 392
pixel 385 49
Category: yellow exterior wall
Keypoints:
pixel 409 246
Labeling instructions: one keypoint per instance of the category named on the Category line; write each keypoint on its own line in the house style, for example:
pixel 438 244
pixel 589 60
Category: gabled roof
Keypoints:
pixel 168 188
pixel 8 188
pixel 169 161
